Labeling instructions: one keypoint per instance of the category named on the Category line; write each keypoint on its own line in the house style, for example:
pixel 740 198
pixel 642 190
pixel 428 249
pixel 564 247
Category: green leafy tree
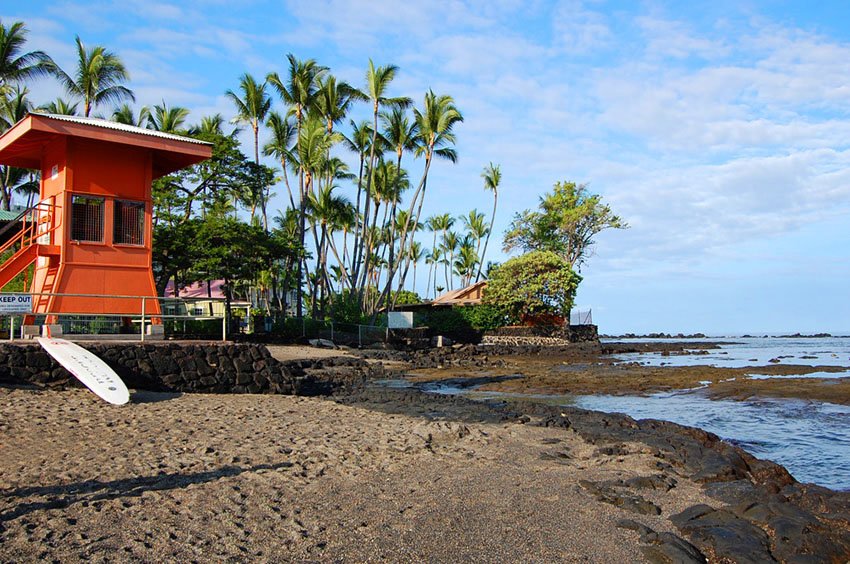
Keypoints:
pixel 230 250
pixel 539 282
pixel 173 252
pixel 566 221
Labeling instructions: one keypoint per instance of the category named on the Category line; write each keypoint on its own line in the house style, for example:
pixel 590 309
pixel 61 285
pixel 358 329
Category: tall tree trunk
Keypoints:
pixel 487 240
pixel 420 192
pixel 369 182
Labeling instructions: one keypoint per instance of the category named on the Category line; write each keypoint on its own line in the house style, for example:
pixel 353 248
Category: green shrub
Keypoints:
pixel 538 282
pixel 484 316
pixel 465 318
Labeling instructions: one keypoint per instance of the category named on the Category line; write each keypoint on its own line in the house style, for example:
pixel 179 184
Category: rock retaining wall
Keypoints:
pixel 186 367
pixel 542 336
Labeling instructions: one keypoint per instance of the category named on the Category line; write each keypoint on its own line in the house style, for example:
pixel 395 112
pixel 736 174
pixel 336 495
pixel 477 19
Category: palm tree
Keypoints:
pixel 98 79
pixel 492 176
pixel 467 260
pixel 60 107
pixel 377 82
pixel 127 116
pixel 333 100
pixel 252 107
pixel 436 122
pixel 328 210
pixel 311 151
pixel 416 254
pixel 441 223
pixel 450 244
pixel 15 65
pixel 167 120
pixel 280 145
pixel 401 135
pixel 433 258
pixel 359 142
pixel 212 125
pixel 13 108
pixel 299 92
pixel 476 227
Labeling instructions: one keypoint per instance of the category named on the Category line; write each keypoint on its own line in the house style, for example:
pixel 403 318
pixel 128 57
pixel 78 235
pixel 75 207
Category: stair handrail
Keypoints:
pixel 20 216
pixel 28 226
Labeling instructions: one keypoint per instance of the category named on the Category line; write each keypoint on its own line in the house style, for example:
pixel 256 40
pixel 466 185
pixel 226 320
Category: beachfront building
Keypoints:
pixel 202 299
pixel 89 236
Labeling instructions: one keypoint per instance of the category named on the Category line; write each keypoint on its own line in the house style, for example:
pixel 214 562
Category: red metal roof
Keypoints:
pixel 22 144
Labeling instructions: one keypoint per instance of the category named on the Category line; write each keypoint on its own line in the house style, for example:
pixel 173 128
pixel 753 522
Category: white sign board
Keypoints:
pixel 15 303
pixel 400 320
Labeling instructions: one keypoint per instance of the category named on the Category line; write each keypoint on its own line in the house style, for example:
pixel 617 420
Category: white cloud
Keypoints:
pixel 578 30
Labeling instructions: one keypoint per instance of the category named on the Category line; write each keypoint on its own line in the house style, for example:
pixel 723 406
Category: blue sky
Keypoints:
pixel 719 130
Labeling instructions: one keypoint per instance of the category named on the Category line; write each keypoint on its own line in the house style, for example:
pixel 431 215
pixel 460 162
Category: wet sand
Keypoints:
pixel 195 477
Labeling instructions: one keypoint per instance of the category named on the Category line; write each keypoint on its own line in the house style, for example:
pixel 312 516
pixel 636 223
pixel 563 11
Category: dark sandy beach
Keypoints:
pixel 372 474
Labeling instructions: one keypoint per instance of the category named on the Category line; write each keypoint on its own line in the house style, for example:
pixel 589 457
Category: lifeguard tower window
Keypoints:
pixel 129 223
pixel 87 219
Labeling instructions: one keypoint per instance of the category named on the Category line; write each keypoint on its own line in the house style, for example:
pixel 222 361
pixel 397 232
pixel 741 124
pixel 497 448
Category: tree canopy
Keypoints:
pixel 539 282
pixel 565 222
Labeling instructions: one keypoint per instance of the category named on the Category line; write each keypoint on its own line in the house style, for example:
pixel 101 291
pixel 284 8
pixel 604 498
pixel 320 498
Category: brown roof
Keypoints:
pixel 471 295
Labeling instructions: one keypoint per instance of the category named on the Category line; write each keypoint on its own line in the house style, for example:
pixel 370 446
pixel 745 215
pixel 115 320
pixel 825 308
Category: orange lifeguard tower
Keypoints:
pixel 90 233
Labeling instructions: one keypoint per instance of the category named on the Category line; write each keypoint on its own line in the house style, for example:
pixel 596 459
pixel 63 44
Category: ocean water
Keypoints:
pixel 809 438
pixel 743 352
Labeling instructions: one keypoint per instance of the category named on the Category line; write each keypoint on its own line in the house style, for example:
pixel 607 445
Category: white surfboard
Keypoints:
pixel 88 369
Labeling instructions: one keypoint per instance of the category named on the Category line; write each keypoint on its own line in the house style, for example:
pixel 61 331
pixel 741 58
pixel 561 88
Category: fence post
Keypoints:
pixel 224 328
pixel 11 327
pixel 332 330
pixel 359 335
pixel 143 319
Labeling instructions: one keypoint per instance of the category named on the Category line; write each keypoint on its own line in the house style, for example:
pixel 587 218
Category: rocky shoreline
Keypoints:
pixel 747 510
pixel 760 513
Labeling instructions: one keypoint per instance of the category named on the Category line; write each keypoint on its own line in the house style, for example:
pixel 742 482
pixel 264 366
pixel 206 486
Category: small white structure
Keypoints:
pixel 400 320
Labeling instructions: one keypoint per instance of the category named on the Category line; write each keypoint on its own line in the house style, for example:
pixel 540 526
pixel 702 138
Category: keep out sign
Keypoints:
pixel 15 303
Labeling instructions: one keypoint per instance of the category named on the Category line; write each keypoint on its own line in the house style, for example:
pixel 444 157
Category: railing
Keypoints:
pixel 581 317
pixel 132 324
pixel 37 222
pixel 351 334
pixel 178 316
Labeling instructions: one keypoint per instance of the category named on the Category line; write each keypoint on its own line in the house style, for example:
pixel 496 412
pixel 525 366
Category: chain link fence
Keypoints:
pixel 581 317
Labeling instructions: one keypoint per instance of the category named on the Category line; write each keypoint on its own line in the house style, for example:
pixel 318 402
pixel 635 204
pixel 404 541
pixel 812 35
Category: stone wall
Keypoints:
pixel 182 367
pixel 543 336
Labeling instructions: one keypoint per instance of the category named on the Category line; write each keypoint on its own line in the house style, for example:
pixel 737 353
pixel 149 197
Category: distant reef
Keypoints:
pixel 655 336
pixel 703 336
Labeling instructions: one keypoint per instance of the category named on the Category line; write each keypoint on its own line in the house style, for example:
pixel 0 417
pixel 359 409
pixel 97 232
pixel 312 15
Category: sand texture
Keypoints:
pixel 279 478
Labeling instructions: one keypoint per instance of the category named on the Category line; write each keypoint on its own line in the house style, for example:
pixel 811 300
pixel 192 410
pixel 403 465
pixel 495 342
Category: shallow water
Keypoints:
pixel 809 438
pixel 737 353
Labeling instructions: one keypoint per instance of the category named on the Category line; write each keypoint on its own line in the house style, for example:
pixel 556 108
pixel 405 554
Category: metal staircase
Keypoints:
pixel 33 240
